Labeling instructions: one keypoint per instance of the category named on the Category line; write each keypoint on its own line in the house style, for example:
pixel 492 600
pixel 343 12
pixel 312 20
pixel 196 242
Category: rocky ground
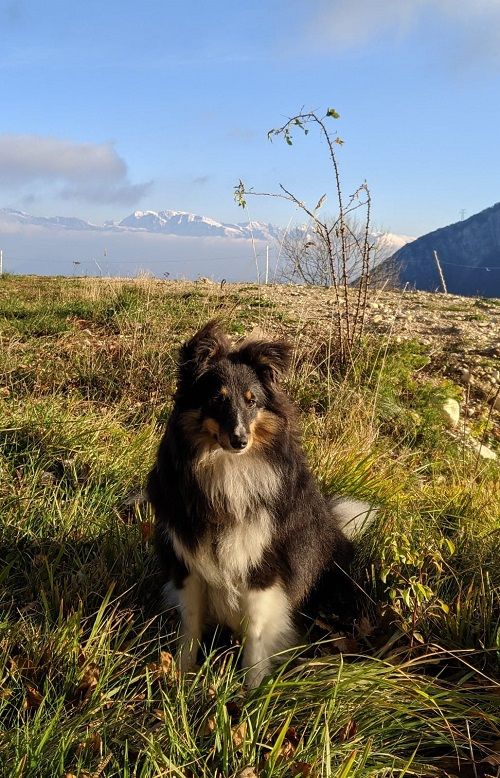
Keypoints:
pixel 462 335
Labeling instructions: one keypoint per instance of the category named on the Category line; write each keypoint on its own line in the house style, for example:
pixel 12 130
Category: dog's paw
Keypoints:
pixel 186 657
pixel 256 674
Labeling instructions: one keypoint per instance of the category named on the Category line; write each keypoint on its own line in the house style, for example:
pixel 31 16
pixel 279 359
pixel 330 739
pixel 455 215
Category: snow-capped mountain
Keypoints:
pixel 13 216
pixel 172 243
pixel 387 243
pixel 384 244
pixel 181 223
pixel 185 223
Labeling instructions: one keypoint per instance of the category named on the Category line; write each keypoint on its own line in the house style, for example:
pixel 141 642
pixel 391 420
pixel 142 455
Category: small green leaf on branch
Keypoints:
pixel 239 194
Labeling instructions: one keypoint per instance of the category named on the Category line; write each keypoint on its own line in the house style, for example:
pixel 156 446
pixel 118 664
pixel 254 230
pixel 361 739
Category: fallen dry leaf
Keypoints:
pixel 346 645
pixel 492 759
pixel 33 698
pixel 165 666
pixel 287 749
pixel 24 666
pixel 365 627
pixel 89 680
pixel 154 669
pixel 338 640
pixel 147 531
pixel 239 734
pixel 322 624
pixel 348 731
pixel 90 676
pixel 248 772
pixel 209 726
pixel 302 769
pixel 166 661
pixel 93 742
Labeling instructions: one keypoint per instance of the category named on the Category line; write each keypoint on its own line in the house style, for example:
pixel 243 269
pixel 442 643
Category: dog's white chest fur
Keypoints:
pixel 235 486
pixel 235 483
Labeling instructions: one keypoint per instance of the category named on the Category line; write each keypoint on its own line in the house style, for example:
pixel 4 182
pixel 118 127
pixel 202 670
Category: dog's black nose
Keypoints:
pixel 238 442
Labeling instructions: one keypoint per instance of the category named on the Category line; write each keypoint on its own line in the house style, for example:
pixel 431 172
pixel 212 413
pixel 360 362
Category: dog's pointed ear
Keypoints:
pixel 269 359
pixel 205 347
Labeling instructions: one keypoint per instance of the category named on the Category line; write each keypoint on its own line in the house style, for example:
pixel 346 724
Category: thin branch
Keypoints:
pixel 329 259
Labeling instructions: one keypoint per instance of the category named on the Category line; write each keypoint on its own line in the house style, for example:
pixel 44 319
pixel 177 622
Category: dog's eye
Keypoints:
pixel 251 402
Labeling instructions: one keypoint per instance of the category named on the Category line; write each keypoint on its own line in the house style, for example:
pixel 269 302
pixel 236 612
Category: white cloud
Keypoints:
pixel 348 22
pixel 86 171
pixel 351 22
pixel 25 158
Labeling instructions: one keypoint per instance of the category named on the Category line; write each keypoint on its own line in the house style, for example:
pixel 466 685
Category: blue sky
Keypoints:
pixel 109 107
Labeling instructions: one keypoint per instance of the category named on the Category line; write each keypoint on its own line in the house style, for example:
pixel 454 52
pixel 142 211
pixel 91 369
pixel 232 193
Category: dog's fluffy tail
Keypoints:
pixel 353 516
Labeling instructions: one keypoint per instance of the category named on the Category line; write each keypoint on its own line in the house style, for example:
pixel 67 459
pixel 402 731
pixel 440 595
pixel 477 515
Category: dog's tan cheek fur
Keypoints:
pixel 190 423
pixel 202 434
pixel 211 426
pixel 264 428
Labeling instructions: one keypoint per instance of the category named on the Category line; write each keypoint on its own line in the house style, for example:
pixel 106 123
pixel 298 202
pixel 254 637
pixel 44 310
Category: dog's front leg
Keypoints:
pixel 268 630
pixel 192 607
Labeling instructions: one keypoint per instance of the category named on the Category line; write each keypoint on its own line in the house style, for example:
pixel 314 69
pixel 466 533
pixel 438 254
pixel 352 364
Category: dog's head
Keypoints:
pixel 231 395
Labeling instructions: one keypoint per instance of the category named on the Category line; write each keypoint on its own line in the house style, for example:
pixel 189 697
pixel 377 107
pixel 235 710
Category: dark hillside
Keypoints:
pixel 469 252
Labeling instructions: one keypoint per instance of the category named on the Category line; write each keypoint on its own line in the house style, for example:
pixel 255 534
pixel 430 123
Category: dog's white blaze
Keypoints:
pixel 240 427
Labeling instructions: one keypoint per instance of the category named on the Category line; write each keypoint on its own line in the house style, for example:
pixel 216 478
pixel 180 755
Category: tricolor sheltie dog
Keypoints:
pixel 242 530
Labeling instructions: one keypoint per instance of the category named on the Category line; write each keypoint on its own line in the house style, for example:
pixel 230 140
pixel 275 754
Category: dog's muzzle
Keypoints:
pixel 238 441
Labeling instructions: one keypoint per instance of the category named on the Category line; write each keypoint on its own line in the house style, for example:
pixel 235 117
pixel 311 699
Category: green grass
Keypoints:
pixel 487 302
pixel 88 686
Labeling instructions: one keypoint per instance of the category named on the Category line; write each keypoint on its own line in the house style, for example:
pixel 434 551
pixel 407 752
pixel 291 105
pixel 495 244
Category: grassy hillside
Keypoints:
pixel 88 683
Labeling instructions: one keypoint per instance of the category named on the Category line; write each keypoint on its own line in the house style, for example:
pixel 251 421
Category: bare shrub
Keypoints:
pixel 334 251
pixel 307 259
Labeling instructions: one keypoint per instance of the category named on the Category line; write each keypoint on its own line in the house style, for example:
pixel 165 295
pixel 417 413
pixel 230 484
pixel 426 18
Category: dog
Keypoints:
pixel 243 533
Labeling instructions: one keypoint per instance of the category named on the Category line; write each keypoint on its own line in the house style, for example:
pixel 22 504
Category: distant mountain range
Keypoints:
pixel 182 244
pixel 468 251
pixel 182 223
pixel 179 223
pixel 176 243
